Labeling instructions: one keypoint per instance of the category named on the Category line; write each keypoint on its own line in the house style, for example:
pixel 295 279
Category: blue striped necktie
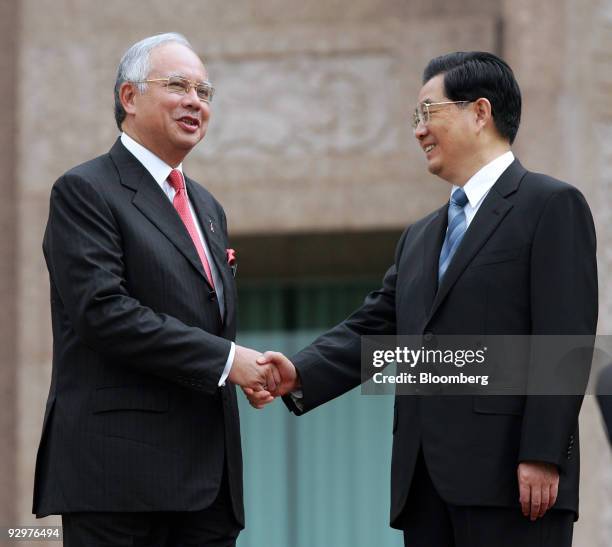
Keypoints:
pixel 456 230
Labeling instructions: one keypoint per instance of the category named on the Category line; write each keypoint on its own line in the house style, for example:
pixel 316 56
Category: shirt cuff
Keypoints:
pixel 228 365
pixel 297 397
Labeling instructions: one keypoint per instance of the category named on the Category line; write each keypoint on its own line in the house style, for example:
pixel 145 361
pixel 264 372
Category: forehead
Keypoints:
pixel 176 59
pixel 433 90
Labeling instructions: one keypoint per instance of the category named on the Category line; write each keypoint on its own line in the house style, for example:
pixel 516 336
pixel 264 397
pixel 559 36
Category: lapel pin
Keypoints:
pixel 212 228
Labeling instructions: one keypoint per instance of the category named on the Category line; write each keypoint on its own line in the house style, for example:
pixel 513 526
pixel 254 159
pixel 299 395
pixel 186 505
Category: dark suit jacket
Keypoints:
pixel 526 266
pixel 135 420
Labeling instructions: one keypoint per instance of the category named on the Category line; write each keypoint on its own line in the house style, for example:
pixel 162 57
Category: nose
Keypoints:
pixel 420 131
pixel 191 99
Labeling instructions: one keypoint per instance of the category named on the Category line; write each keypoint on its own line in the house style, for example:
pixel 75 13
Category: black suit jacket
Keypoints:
pixel 525 266
pixel 135 420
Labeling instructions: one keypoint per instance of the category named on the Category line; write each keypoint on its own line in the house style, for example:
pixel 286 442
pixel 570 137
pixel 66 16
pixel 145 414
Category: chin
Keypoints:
pixel 188 143
pixel 434 168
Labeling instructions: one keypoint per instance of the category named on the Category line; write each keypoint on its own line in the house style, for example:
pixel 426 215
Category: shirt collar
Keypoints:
pixel 158 168
pixel 477 187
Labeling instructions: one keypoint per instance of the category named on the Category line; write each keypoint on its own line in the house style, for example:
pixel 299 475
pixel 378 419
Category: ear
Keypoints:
pixel 482 109
pixel 127 94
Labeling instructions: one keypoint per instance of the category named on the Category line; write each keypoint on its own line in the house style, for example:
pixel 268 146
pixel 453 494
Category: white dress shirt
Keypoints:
pixel 160 170
pixel 478 186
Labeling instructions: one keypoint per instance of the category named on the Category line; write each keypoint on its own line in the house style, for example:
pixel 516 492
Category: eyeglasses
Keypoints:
pixel 422 113
pixel 182 86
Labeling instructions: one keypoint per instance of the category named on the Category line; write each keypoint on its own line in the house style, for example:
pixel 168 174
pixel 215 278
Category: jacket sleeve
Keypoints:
pixel 83 250
pixel 331 365
pixel 564 305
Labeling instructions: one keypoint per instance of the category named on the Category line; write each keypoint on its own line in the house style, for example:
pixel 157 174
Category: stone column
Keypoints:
pixel 9 29
pixel 561 54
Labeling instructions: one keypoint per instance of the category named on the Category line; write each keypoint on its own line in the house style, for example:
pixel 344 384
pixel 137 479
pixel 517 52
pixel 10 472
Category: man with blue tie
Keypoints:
pixel 512 253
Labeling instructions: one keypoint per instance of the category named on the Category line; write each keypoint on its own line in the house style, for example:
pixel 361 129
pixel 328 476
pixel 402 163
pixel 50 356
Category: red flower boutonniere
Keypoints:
pixel 231 260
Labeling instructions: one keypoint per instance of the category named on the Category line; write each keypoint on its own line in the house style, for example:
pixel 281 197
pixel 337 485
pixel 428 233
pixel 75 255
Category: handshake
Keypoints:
pixel 263 377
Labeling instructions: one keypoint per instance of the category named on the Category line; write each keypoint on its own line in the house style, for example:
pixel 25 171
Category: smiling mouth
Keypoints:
pixel 429 148
pixel 192 122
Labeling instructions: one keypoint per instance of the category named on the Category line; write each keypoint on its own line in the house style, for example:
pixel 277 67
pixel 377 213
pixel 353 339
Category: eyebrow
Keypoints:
pixel 180 75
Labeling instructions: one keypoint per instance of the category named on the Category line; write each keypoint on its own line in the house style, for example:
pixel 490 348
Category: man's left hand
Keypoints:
pixel 538 487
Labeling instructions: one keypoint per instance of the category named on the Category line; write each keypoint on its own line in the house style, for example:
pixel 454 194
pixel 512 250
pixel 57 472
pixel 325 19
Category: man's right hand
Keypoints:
pixel 246 373
pixel 286 379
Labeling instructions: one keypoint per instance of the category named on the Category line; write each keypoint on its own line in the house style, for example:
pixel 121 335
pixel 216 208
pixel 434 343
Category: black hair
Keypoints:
pixel 471 75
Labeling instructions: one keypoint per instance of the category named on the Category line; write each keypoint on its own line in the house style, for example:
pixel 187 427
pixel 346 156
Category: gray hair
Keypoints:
pixel 135 66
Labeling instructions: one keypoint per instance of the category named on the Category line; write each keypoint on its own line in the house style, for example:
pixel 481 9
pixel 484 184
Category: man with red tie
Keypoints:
pixel 141 440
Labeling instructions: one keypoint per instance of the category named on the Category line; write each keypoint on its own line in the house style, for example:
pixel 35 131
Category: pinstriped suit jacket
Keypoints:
pixel 134 420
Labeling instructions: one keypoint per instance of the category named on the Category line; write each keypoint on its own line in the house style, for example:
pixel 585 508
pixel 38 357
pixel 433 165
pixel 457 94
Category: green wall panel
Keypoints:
pixel 321 480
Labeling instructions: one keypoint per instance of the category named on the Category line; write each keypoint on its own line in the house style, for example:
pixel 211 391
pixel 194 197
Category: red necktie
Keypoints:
pixel 182 208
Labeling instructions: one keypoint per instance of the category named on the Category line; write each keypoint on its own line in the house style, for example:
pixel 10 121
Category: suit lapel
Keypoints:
pixel 433 239
pixel 211 230
pixel 488 217
pixel 151 201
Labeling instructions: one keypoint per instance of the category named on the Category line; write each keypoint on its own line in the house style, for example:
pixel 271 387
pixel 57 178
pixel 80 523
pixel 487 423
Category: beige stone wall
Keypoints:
pixel 8 256
pixel 310 132
pixel 561 52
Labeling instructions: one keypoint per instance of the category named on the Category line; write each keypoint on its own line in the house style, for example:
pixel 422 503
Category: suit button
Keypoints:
pixel 428 337
pixel 212 296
